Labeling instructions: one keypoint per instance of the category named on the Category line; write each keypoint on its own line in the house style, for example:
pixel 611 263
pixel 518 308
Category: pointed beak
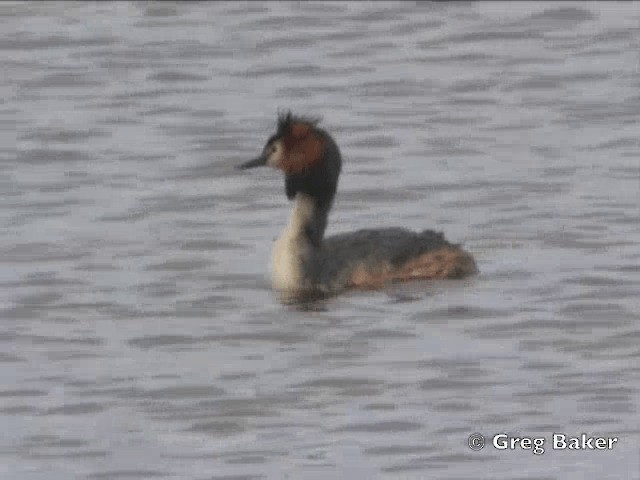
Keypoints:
pixel 256 162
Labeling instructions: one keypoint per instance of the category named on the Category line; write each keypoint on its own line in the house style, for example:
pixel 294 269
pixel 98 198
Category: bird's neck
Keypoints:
pixel 308 220
pixel 294 253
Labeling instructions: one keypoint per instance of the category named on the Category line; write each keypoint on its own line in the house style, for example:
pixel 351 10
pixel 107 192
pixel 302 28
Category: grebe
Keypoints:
pixel 304 263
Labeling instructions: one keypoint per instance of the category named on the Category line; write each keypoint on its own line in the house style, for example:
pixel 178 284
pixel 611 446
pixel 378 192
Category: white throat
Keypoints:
pixel 292 250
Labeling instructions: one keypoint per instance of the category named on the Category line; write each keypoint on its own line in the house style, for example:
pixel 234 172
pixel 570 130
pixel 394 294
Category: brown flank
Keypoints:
pixel 446 262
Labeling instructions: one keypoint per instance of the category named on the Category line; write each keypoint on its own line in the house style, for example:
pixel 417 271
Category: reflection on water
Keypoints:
pixel 140 336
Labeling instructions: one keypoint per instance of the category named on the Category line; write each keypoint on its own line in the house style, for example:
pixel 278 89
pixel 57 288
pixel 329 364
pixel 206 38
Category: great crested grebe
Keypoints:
pixel 304 262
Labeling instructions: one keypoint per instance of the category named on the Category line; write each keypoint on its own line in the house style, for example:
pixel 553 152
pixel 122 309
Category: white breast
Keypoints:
pixel 292 250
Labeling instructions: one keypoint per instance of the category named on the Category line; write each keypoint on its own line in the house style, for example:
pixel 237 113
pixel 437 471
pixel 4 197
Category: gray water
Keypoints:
pixel 139 334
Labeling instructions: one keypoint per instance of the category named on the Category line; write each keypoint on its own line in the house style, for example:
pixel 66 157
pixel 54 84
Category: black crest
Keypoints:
pixel 286 119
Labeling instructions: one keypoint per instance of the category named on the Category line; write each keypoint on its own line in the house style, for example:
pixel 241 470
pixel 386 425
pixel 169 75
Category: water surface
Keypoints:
pixel 140 337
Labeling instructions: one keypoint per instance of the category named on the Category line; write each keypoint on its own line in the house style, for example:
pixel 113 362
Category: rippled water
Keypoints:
pixel 140 337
